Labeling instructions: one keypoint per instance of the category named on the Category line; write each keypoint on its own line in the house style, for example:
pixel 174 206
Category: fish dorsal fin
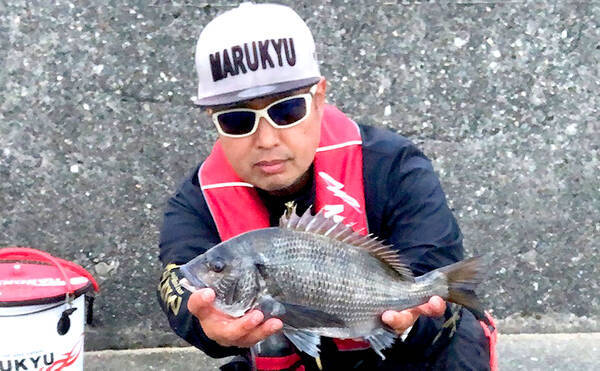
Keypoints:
pixel 320 224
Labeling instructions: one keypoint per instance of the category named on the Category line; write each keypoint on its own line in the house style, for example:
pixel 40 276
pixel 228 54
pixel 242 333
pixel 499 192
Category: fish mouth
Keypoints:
pixel 191 281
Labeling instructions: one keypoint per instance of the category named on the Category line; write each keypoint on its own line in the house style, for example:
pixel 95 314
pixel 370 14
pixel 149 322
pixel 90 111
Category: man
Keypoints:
pixel 279 141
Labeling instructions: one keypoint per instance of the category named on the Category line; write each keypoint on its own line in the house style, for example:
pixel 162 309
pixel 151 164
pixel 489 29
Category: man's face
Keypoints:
pixel 273 159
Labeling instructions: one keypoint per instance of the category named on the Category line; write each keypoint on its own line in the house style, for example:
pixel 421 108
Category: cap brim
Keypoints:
pixel 255 92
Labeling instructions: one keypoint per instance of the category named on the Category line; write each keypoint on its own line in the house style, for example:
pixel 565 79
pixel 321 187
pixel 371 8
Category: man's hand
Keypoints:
pixel 242 332
pixel 402 320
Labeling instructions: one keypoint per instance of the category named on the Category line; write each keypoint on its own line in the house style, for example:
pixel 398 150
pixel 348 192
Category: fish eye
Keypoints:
pixel 217 265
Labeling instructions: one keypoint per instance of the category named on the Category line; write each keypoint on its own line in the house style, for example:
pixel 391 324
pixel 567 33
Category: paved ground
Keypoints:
pixel 516 352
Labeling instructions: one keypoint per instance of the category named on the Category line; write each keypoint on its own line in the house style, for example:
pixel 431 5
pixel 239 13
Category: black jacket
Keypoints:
pixel 405 205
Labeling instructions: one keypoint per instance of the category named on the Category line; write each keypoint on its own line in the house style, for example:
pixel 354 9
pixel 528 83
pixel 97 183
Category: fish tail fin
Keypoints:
pixel 463 277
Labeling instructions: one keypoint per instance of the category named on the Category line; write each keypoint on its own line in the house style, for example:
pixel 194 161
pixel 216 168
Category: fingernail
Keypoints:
pixel 387 317
pixel 206 295
pixel 275 326
pixel 256 317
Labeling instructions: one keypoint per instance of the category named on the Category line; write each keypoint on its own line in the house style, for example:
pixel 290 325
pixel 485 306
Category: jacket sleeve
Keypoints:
pixel 187 231
pixel 408 208
pixel 406 204
pixel 417 217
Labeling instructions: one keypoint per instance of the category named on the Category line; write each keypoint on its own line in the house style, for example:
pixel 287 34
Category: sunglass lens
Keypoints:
pixel 236 123
pixel 288 112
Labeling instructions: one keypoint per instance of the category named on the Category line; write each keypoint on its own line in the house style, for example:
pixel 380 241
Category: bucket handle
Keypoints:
pixel 26 253
pixel 79 269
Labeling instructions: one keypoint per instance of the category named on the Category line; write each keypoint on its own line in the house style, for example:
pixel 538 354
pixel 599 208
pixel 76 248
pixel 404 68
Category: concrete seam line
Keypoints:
pixel 143 351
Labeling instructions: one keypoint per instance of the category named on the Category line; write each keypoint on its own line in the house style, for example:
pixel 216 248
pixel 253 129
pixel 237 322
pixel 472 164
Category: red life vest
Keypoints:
pixel 236 207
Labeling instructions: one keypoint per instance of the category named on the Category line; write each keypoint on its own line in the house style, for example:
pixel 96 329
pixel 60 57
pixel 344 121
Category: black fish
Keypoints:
pixel 321 278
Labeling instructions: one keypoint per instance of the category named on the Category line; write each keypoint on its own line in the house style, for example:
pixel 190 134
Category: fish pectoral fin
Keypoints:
pixel 381 339
pixel 305 341
pixel 270 307
pixel 300 316
pixel 297 316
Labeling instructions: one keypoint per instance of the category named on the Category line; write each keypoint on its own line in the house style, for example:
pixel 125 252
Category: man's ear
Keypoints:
pixel 321 93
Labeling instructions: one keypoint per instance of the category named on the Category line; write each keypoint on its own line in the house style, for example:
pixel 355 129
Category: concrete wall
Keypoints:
pixel 97 128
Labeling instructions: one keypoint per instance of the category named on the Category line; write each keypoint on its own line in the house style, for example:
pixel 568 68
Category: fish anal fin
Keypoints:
pixel 305 341
pixel 381 339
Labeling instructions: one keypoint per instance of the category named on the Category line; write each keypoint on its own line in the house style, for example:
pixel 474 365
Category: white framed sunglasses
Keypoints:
pixel 281 114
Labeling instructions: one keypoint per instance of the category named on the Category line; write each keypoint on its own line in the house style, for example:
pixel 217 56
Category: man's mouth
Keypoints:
pixel 271 166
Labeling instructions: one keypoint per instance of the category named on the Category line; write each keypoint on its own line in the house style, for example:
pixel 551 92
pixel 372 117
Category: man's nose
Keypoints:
pixel 266 135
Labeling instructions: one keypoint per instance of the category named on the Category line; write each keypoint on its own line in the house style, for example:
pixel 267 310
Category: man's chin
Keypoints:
pixel 275 187
pixel 281 184
pixel 283 188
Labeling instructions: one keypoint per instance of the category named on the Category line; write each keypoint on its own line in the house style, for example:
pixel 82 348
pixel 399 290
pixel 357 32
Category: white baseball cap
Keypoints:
pixel 252 51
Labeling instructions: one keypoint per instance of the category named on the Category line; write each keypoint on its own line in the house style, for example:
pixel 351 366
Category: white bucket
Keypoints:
pixel 30 339
pixel 41 327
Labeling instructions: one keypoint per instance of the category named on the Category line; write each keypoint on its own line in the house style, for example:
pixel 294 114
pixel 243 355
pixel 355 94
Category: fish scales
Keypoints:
pixel 324 268
pixel 322 286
